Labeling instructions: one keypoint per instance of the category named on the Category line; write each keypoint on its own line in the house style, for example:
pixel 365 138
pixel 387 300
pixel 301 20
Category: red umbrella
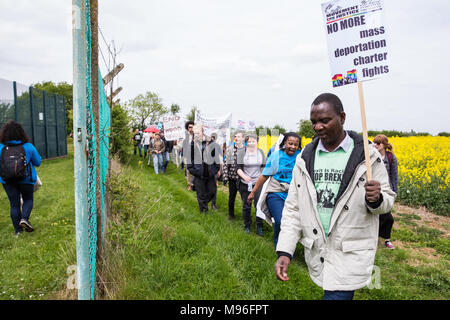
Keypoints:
pixel 151 129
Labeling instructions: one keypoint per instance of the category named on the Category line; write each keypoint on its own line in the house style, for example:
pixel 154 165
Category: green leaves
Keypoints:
pixel 146 109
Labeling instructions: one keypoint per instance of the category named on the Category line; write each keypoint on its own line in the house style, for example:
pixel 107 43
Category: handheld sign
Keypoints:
pixel 357 48
pixel 173 127
pixel 356 38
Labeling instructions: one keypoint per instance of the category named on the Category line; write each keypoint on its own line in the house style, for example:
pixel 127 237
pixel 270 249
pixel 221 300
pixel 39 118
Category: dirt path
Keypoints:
pixel 427 218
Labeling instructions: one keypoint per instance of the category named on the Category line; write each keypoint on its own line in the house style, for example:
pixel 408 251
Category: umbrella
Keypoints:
pixel 151 129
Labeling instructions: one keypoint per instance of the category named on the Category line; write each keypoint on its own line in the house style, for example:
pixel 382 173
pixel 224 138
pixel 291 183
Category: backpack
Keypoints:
pixel 14 165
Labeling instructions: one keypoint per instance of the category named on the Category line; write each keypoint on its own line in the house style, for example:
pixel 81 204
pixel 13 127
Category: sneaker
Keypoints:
pixel 214 207
pixel 389 245
pixel 259 231
pixel 26 225
pixel 247 230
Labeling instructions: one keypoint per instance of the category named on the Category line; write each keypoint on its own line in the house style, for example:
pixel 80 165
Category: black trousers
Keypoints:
pixel 232 191
pixel 386 223
pixel 247 208
pixel 206 189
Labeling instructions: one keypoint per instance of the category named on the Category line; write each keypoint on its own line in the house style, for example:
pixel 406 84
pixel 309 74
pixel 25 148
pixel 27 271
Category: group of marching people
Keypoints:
pixel 155 146
pixel 320 196
pixel 244 168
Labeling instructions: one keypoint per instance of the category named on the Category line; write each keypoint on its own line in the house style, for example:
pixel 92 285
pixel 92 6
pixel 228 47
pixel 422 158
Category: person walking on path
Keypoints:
pixel 189 126
pixel 251 161
pixel 390 162
pixel 279 170
pixel 137 137
pixel 17 173
pixel 146 137
pixel 203 164
pixel 168 150
pixel 212 144
pixel 230 175
pixel 157 148
pixel 331 207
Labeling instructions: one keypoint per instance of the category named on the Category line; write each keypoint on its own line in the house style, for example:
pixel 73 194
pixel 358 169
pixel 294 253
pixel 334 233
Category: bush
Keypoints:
pixel 120 134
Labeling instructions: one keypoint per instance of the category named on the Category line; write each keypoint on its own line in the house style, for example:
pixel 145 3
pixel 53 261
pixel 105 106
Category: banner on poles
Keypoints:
pixel 246 125
pixel 173 127
pixel 220 126
pixel 356 37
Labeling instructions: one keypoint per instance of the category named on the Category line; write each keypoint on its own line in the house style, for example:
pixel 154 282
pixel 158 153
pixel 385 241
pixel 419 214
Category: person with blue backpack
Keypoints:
pixel 18 157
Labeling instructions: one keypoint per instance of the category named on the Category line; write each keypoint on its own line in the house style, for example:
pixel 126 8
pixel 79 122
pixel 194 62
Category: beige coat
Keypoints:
pixel 344 260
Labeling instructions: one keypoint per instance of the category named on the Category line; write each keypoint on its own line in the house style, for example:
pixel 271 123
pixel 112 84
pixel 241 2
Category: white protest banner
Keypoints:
pixel 245 125
pixel 220 126
pixel 173 127
pixel 356 37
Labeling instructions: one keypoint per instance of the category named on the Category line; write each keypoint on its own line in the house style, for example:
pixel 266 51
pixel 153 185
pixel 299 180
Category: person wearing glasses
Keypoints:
pixel 390 162
pixel 189 126
pixel 332 208
pixel 230 174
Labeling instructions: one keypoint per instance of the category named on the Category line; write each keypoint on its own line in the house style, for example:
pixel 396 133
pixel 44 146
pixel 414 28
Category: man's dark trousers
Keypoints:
pixel 205 188
pixel 232 191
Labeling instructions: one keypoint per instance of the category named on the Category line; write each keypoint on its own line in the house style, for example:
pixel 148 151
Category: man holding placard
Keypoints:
pixel 332 207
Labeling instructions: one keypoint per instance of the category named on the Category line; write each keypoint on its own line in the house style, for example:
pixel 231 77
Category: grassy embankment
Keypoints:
pixel 160 247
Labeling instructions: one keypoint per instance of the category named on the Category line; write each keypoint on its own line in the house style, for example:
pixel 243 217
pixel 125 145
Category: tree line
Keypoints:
pixel 146 109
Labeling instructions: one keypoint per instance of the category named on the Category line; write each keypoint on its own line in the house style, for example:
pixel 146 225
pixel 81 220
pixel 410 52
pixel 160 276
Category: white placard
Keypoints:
pixel 220 126
pixel 173 127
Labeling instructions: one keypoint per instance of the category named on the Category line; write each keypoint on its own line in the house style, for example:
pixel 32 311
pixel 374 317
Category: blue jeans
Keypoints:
pixel 276 205
pixel 166 159
pixel 338 295
pixel 158 162
pixel 138 146
pixel 14 191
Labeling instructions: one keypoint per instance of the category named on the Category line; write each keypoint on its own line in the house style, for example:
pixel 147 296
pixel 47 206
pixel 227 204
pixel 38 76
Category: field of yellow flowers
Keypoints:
pixel 423 166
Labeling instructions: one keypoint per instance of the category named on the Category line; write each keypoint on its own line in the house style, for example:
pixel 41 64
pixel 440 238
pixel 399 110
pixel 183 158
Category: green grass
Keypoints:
pixel 33 265
pixel 160 247
pixel 178 253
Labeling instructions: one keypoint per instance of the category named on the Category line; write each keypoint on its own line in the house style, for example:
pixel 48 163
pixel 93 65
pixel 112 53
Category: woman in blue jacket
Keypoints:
pixel 279 166
pixel 12 134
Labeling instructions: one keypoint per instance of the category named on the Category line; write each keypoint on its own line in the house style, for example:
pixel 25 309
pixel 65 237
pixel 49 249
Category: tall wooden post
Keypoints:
pixel 93 4
pixel 364 128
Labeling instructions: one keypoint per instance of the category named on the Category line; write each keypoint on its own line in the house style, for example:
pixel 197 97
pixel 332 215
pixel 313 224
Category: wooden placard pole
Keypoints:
pixel 364 128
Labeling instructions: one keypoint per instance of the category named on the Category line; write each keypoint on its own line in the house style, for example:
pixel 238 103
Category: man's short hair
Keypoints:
pixel 330 98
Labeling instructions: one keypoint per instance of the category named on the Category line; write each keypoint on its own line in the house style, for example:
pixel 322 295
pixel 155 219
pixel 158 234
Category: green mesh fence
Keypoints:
pixel 42 114
pixel 93 157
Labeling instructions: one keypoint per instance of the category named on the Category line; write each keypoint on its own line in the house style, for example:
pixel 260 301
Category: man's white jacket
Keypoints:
pixel 344 260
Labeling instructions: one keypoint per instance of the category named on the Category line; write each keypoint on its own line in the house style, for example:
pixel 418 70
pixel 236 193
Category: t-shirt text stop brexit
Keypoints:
pixel 356 37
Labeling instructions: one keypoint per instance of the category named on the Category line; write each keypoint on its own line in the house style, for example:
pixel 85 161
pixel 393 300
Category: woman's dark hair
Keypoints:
pixel 13 130
pixel 291 134
pixel 251 135
pixel 186 126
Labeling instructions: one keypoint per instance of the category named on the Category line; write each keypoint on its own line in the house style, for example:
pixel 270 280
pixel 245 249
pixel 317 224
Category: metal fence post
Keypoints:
pixel 15 101
pixel 65 125
pixel 80 147
pixel 57 127
pixel 44 99
pixel 32 115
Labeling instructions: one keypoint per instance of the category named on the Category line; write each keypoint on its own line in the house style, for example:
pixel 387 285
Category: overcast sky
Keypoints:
pixel 260 60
